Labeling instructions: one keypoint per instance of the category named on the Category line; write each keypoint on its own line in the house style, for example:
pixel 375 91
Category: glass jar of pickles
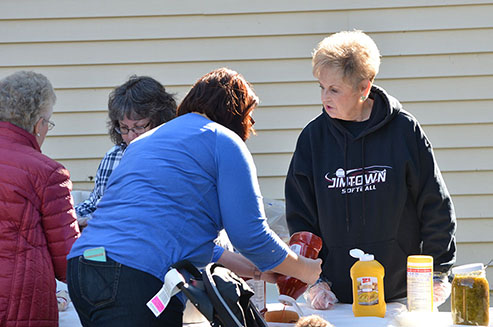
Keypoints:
pixel 470 299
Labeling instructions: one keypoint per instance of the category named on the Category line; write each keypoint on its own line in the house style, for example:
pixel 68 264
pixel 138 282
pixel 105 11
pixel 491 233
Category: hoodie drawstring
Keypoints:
pixel 345 170
pixel 364 178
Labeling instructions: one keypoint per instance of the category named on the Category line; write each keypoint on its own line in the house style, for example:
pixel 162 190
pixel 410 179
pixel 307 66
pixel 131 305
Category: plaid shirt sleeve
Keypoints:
pixel 108 164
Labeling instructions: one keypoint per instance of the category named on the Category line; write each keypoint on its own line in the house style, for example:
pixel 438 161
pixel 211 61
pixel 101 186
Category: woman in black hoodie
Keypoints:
pixel 364 175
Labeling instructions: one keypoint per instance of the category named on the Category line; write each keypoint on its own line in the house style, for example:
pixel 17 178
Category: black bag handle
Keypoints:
pixel 195 293
pixel 187 265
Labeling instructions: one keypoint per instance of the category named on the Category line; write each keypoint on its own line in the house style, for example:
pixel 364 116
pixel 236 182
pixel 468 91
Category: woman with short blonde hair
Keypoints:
pixel 364 175
pixel 355 53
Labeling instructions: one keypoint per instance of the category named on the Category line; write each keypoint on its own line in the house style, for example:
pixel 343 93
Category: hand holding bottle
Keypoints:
pixel 312 268
pixel 301 268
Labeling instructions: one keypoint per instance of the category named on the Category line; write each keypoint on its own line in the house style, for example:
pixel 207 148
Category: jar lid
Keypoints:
pixel 464 269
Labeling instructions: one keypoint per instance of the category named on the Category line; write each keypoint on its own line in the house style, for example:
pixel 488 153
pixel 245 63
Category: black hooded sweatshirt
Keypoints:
pixel 380 191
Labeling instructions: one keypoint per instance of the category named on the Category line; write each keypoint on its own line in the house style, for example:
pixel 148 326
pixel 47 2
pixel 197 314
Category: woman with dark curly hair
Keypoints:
pixel 134 107
pixel 173 191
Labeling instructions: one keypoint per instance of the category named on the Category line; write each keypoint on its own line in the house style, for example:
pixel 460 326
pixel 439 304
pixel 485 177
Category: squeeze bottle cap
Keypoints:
pixel 358 254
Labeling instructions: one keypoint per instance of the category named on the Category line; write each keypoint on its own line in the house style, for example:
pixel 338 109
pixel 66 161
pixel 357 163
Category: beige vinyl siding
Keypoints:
pixel 128 8
pixel 437 59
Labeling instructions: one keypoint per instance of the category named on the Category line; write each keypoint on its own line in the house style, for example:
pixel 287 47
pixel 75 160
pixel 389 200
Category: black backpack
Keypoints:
pixel 220 295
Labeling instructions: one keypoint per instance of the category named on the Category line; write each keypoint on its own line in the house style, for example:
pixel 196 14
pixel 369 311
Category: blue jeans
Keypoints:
pixel 111 294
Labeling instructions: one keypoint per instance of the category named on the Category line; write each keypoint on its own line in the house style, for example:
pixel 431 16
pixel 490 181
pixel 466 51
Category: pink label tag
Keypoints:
pixel 158 304
pixel 170 287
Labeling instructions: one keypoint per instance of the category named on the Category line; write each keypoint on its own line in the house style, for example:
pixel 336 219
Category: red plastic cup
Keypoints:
pixel 305 244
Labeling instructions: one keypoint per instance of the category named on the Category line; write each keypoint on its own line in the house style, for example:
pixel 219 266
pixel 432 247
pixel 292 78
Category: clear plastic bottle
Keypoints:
pixel 368 293
pixel 420 283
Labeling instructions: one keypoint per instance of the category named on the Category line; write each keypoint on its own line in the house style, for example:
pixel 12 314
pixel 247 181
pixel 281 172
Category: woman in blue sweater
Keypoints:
pixel 177 186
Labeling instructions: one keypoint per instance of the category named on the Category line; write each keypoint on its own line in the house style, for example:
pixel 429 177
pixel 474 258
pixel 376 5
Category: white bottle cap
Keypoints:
pixel 358 254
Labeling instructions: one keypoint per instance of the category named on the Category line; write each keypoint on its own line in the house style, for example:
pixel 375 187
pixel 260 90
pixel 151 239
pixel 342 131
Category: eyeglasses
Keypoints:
pixel 50 124
pixel 137 129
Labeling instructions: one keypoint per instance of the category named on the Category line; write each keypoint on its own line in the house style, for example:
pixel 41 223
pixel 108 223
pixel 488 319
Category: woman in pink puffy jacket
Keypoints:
pixel 37 219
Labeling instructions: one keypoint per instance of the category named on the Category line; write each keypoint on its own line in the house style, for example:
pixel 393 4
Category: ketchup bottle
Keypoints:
pixel 307 245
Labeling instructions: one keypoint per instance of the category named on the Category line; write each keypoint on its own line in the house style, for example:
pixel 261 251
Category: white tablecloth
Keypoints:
pixel 396 316
pixel 340 316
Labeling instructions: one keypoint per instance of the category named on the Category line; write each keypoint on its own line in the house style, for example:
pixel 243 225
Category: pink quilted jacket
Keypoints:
pixel 37 229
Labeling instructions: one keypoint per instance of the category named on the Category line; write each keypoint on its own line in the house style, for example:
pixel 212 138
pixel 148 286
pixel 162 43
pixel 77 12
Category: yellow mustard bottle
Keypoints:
pixel 368 293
